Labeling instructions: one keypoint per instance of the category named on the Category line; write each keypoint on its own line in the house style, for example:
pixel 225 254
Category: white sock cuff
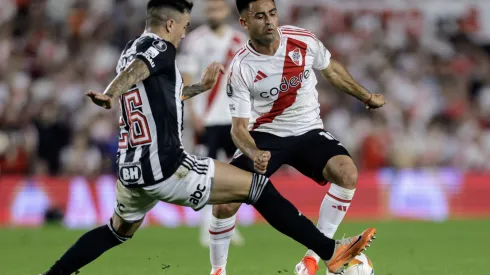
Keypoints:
pixel 221 229
pixel 340 194
pixel 223 223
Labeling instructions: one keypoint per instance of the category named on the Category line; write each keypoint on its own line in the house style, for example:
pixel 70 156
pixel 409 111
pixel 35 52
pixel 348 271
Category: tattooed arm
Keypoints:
pixel 192 90
pixel 210 77
pixel 135 72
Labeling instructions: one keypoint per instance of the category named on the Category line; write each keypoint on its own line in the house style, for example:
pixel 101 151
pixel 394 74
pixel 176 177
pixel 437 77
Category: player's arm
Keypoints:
pixel 242 138
pixel 240 110
pixel 340 78
pixel 208 80
pixel 245 142
pixel 152 56
pixel 134 72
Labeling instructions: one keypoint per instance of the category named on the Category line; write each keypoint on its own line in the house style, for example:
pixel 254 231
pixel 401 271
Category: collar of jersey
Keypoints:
pixel 154 35
pixel 250 48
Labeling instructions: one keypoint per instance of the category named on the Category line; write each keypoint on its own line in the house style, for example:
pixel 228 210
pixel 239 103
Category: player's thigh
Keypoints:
pixel 279 155
pixel 190 185
pixel 231 184
pixel 226 210
pixel 314 151
pixel 200 181
pixel 130 209
pixel 224 180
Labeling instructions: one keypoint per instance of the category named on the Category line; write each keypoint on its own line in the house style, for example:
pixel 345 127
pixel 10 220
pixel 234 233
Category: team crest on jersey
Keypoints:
pixel 296 56
pixel 160 45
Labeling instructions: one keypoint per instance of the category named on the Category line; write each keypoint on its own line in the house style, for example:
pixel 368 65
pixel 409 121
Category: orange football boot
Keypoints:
pixel 348 248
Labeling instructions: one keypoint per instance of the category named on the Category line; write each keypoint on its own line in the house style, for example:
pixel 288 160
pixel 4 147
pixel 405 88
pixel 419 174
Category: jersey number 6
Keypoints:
pixel 139 131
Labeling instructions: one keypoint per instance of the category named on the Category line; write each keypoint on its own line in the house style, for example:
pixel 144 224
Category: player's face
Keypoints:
pixel 261 21
pixel 180 28
pixel 216 12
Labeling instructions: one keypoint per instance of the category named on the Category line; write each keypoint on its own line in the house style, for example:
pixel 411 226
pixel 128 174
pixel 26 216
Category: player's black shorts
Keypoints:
pixel 216 138
pixel 308 153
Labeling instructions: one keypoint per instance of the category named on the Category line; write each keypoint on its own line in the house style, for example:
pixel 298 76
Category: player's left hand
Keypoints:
pixel 376 101
pixel 211 74
pixel 100 99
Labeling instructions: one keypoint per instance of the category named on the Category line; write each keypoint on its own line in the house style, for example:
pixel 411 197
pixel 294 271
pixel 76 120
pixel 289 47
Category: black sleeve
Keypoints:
pixel 157 54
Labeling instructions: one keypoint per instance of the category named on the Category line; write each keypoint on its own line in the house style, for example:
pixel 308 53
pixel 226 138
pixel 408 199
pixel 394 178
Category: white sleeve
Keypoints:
pixel 188 59
pixel 322 56
pixel 238 94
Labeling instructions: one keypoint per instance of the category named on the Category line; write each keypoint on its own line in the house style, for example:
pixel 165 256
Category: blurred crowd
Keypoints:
pixel 436 80
pixel 52 52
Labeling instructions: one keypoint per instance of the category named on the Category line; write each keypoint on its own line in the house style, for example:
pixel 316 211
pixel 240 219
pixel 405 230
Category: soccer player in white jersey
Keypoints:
pixel 210 117
pixel 274 107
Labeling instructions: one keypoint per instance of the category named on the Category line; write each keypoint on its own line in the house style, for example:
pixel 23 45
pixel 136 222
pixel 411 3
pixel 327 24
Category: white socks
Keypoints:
pixel 221 232
pixel 332 212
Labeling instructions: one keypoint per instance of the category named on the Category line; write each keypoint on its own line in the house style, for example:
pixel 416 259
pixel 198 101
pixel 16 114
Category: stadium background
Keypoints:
pixel 425 156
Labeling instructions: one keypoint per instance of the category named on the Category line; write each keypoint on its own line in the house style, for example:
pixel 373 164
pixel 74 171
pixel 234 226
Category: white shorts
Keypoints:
pixel 189 186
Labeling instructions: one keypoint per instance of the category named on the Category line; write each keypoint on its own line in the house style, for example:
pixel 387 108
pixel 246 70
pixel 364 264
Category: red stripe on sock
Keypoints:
pixel 338 199
pixel 221 232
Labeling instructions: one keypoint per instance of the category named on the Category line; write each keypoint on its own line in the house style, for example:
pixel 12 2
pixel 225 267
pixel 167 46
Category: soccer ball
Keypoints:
pixel 360 265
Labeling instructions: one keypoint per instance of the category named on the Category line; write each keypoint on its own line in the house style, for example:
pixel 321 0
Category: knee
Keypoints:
pixel 224 211
pixel 123 228
pixel 344 176
pixel 348 178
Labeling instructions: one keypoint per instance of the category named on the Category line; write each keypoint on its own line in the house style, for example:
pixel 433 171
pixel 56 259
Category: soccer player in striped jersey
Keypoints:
pixel 153 165
pixel 274 107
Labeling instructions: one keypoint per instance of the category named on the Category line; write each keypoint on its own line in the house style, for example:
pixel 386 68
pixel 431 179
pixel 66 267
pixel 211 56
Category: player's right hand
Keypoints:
pixel 376 101
pixel 261 160
pixel 100 99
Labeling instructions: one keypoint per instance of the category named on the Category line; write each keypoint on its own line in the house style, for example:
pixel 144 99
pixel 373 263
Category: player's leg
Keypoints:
pixel 258 191
pixel 211 141
pixel 226 143
pixel 128 216
pixel 216 138
pixel 222 229
pixel 324 159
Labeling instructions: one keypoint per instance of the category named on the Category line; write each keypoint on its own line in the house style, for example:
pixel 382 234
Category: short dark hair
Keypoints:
pixel 181 6
pixel 242 5
pixel 159 11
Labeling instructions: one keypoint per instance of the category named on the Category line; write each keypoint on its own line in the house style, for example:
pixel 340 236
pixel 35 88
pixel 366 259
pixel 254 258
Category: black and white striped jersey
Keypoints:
pixel 150 141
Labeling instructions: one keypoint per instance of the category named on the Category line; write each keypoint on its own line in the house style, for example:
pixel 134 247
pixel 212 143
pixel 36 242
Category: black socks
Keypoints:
pixel 284 217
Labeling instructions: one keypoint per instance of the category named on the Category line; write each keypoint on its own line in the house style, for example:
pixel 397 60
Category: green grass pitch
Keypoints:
pixel 402 248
